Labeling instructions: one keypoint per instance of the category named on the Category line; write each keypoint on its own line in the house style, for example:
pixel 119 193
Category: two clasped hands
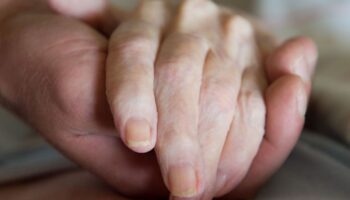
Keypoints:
pixel 219 102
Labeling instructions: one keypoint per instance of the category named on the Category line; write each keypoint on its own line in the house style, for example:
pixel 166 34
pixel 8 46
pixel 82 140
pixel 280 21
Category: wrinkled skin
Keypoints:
pixel 214 105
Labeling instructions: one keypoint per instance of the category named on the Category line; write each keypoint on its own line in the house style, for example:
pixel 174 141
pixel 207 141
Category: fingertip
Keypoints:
pixel 296 56
pixel 182 167
pixel 183 182
pixel 310 49
pixel 138 135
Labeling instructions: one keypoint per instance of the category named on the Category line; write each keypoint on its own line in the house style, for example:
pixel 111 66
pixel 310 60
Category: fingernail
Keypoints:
pixel 183 182
pixel 138 133
pixel 220 183
pixel 302 101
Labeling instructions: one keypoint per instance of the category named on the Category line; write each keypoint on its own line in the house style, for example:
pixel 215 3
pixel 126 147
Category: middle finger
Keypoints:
pixel 220 89
pixel 178 79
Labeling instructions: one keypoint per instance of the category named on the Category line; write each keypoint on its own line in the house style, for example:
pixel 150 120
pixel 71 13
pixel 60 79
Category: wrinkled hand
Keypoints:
pixel 189 79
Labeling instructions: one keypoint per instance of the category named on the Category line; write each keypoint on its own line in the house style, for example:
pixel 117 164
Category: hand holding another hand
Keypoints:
pixel 191 80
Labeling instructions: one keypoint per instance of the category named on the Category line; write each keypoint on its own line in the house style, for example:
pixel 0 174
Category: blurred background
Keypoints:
pixel 326 21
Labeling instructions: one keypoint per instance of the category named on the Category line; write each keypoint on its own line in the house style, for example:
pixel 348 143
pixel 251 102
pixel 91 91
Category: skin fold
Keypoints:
pixel 221 110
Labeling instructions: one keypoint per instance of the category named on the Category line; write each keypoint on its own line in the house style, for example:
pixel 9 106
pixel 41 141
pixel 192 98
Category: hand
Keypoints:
pixel 52 74
pixel 128 172
pixel 206 114
pixel 290 47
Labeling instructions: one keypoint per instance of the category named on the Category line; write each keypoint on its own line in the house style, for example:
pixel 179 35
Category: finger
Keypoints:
pixel 288 95
pixel 265 40
pixel 246 133
pixel 297 56
pixel 220 87
pixel 178 79
pixel 247 128
pixel 101 14
pixel 130 78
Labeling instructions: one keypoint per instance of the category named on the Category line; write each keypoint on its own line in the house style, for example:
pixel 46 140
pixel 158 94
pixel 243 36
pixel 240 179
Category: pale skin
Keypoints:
pixel 194 84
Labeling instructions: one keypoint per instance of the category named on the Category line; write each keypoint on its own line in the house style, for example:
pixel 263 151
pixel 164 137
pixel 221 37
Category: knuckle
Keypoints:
pixel 173 139
pixel 184 49
pixel 251 96
pixel 131 46
pixel 177 73
pixel 254 102
pixel 219 96
pixel 194 14
pixel 188 8
pixel 133 37
pixel 237 25
pixel 134 75
pixel 156 13
pixel 187 42
pixel 182 60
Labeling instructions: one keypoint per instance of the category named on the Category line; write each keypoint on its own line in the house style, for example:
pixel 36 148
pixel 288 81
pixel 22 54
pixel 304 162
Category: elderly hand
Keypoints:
pixel 190 80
